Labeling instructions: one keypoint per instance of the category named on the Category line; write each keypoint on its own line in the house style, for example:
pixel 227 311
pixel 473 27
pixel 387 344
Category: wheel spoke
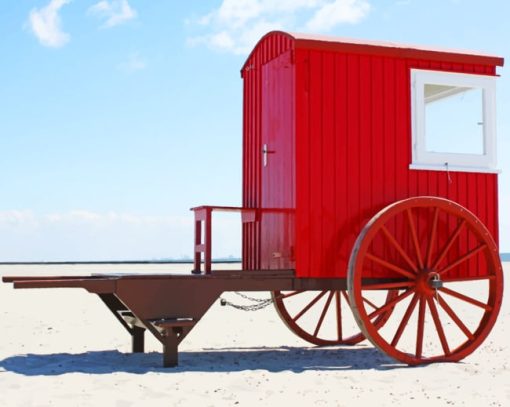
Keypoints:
pixel 367 301
pixel 464 258
pixel 346 297
pixel 420 328
pixel 449 243
pixel 439 326
pixel 338 315
pixel 454 317
pixel 465 298
pixel 432 239
pixel 389 286
pixel 390 304
pixel 397 246
pixel 405 320
pixel 323 314
pixel 391 266
pixel 414 236
pixel 310 305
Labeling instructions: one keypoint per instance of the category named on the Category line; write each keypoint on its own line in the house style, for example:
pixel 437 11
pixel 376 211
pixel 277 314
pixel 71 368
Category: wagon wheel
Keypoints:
pixel 447 266
pixel 319 317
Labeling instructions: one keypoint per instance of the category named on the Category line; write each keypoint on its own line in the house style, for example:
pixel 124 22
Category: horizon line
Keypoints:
pixel 70 262
pixel 505 256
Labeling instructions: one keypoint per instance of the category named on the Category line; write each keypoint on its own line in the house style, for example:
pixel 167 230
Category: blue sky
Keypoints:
pixel 117 116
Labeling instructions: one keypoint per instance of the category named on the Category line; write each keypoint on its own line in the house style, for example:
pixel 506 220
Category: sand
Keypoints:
pixel 62 347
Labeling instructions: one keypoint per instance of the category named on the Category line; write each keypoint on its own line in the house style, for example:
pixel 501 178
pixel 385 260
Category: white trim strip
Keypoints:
pixel 453 168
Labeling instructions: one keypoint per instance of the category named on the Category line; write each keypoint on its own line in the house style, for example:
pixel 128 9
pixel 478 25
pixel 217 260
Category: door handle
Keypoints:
pixel 265 152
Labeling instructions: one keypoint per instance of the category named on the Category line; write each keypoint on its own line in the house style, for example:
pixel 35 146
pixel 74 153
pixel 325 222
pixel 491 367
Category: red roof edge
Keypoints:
pixel 270 33
pixel 329 43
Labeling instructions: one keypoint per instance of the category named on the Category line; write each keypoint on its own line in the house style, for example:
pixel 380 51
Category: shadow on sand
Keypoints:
pixel 296 359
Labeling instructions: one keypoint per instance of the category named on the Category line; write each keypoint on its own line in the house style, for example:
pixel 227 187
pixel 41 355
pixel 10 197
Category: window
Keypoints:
pixel 453 118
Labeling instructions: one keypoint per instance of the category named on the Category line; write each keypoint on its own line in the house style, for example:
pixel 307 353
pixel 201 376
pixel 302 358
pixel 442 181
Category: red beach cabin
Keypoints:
pixel 335 130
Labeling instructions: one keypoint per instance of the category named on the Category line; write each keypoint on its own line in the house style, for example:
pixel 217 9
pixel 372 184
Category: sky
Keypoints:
pixel 117 116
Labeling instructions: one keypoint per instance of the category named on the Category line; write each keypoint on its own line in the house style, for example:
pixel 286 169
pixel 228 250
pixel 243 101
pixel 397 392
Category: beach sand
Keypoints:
pixel 62 347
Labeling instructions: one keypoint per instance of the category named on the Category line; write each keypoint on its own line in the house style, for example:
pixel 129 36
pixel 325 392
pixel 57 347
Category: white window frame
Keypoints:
pixel 423 159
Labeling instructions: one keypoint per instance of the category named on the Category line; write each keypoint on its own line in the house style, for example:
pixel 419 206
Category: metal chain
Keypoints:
pixel 252 298
pixel 259 302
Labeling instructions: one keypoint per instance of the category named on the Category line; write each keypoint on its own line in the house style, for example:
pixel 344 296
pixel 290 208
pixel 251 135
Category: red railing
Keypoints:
pixel 203 241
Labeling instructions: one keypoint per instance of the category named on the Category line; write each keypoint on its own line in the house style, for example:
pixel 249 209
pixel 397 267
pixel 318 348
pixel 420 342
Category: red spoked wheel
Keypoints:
pixel 447 266
pixel 320 317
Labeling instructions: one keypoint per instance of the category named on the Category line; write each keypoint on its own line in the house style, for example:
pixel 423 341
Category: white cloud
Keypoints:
pixel 114 12
pixel 45 23
pixel 238 12
pixel 133 64
pixel 236 25
pixel 250 35
pixel 88 235
pixel 222 40
pixel 237 42
pixel 338 12
pixel 16 217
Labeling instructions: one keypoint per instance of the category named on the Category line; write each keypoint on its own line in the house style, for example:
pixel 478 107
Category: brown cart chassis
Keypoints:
pixel 170 305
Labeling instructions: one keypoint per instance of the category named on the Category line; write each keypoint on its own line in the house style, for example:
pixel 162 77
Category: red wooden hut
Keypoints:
pixel 333 132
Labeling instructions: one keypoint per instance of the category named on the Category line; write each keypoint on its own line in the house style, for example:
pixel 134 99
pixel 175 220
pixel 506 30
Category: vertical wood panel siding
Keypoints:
pixel 355 162
pixel 352 153
pixel 270 48
pixel 303 142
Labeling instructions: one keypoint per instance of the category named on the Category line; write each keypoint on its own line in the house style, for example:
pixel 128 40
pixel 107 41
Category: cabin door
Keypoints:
pixel 277 167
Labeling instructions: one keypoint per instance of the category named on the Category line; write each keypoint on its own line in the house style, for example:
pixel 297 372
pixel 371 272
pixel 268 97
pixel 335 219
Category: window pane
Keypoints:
pixel 453 119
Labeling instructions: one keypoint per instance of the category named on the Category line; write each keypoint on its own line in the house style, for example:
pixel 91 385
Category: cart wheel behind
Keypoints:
pixel 447 266
pixel 323 317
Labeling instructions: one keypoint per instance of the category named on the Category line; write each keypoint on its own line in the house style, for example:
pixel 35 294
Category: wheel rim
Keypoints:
pixel 323 317
pixel 447 266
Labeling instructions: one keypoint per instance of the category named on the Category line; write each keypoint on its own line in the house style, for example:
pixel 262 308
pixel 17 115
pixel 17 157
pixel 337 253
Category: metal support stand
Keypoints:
pixel 171 332
pixel 170 352
pixel 128 321
pixel 138 339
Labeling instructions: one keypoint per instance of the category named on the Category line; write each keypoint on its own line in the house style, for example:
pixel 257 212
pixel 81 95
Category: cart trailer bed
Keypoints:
pixel 169 305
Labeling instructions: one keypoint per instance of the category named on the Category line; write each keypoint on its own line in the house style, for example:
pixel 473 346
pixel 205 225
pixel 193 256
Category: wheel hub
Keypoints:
pixel 428 282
